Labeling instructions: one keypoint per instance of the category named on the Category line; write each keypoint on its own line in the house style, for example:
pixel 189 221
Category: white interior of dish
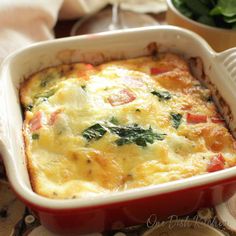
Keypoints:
pixel 96 49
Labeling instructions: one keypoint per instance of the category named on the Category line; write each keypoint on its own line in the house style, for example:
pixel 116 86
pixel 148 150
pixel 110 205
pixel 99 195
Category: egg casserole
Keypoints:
pixel 124 124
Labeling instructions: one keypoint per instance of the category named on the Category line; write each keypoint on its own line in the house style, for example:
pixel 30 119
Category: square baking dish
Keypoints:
pixel 132 207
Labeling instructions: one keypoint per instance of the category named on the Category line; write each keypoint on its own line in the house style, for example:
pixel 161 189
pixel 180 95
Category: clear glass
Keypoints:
pixel 116 16
pixel 112 18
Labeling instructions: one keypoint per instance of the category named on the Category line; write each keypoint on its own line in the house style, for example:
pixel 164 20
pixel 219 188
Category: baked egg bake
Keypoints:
pixel 124 124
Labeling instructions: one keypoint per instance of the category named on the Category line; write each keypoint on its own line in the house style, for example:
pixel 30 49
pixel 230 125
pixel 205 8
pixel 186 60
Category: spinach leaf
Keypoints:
pixel 35 136
pixel 49 77
pixel 162 95
pixel 94 132
pixel 127 134
pixel 225 8
pixel 176 119
pixel 207 20
pixel 197 7
pixel 135 134
pixel 209 3
pixel 44 82
pixel 216 13
pixel 180 5
pixel 83 87
pixel 46 94
pixel 231 19
pixel 114 121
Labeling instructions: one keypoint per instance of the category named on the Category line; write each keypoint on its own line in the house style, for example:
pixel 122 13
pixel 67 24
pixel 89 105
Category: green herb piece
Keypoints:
pixel 44 82
pixel 176 119
pixel 114 121
pixel 48 77
pixel 138 110
pixel 135 134
pixel 46 94
pixel 94 132
pixel 29 107
pixel 35 136
pixel 162 95
pixel 83 87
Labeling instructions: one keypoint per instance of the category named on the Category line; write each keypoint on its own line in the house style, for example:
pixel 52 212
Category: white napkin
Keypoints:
pixel 23 22
pixel 75 8
pixel 144 6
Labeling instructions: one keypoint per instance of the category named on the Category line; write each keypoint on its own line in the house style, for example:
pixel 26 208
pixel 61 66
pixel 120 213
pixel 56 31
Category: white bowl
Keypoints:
pixel 220 39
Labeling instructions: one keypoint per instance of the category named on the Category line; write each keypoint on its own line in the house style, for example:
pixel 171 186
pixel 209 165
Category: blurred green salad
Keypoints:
pixel 217 13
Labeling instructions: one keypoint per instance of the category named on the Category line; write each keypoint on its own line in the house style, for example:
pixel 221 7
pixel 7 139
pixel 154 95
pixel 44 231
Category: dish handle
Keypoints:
pixel 228 60
pixel 3 145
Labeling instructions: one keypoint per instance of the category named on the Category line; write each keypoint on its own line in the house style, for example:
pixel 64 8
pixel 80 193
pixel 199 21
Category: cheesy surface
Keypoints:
pixel 124 124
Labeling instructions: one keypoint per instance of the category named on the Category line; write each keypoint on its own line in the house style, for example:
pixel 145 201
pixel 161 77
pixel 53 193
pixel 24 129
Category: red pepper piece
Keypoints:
pixel 158 70
pixel 122 97
pixel 217 119
pixel 36 121
pixel 216 163
pixel 195 118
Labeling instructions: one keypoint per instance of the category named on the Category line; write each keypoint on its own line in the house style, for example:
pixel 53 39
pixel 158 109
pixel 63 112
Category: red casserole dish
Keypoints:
pixel 132 207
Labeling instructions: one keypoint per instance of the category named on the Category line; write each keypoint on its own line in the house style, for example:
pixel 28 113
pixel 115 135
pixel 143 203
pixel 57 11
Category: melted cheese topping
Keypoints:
pixel 124 124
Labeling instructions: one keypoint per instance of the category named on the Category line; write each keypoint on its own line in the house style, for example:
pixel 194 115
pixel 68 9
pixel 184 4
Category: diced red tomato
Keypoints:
pixel 53 117
pixel 36 121
pixel 217 119
pixel 89 66
pixel 216 163
pixel 158 70
pixel 122 97
pixel 195 118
